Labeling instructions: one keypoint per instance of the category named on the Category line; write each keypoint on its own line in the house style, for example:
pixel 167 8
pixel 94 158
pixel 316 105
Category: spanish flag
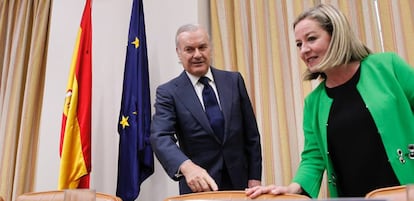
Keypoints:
pixel 75 139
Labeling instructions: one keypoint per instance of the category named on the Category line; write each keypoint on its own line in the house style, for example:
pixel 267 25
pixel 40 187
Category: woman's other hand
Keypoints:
pixel 254 192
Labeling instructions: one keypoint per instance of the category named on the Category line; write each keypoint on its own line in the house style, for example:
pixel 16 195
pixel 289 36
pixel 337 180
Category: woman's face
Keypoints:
pixel 312 42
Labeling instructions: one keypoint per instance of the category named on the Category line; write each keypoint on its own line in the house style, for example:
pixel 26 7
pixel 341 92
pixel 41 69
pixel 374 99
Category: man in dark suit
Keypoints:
pixel 223 155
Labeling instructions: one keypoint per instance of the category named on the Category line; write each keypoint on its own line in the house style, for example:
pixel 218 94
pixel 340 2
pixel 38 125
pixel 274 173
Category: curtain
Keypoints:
pixel 255 37
pixel 24 28
pixel 397 27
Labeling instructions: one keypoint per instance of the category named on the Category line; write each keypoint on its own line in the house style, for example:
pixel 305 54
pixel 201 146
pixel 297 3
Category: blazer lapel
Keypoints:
pixel 225 91
pixel 187 95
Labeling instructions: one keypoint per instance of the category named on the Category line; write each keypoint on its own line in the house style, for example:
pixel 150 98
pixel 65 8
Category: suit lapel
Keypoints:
pixel 187 95
pixel 225 91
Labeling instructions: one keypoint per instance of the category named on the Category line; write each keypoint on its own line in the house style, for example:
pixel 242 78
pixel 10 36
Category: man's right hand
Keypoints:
pixel 197 178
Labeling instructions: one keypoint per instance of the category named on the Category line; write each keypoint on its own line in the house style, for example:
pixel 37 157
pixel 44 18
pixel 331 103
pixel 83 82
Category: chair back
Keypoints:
pixel 394 193
pixel 59 195
pixel 233 195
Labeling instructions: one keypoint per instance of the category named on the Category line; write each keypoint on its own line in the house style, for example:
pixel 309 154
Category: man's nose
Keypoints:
pixel 197 53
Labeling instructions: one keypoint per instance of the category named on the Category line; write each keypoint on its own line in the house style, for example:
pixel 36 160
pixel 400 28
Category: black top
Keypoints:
pixel 354 144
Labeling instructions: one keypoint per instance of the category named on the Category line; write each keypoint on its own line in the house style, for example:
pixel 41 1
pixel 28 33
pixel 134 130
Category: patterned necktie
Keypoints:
pixel 214 114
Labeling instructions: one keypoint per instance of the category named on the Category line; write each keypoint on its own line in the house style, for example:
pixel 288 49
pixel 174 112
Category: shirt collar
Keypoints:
pixel 194 79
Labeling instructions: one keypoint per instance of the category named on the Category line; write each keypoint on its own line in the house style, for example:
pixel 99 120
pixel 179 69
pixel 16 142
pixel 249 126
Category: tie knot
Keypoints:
pixel 204 80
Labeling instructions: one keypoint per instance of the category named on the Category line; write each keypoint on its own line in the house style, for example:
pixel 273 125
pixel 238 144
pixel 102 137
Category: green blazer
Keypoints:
pixel 387 87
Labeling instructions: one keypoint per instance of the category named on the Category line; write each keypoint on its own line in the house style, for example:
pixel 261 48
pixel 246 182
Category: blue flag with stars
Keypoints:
pixel 135 160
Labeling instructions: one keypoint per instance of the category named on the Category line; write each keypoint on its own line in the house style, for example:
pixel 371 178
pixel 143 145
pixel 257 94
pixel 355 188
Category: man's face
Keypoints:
pixel 194 51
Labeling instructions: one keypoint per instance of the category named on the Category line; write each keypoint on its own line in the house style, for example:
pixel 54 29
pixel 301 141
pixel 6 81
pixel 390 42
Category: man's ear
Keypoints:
pixel 178 53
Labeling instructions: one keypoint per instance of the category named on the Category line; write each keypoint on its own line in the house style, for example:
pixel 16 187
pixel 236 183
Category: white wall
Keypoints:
pixel 110 21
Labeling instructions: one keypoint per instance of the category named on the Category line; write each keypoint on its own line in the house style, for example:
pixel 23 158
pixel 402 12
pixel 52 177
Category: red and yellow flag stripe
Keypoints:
pixel 75 139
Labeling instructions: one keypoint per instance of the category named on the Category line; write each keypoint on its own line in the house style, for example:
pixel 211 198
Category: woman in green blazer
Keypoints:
pixel 359 122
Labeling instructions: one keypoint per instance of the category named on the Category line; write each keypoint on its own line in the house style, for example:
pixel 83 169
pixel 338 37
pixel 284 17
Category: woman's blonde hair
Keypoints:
pixel 345 46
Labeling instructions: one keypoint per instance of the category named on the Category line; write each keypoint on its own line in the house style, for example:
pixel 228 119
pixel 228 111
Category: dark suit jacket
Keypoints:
pixel 179 115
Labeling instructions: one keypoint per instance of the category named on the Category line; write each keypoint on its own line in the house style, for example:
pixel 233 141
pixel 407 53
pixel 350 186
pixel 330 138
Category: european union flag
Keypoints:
pixel 136 160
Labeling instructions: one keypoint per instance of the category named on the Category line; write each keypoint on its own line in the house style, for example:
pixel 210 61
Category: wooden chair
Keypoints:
pixel 233 195
pixel 1 198
pixel 58 195
pixel 394 193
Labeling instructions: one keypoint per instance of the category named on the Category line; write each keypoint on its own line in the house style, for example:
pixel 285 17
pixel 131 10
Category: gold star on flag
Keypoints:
pixel 136 42
pixel 124 122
